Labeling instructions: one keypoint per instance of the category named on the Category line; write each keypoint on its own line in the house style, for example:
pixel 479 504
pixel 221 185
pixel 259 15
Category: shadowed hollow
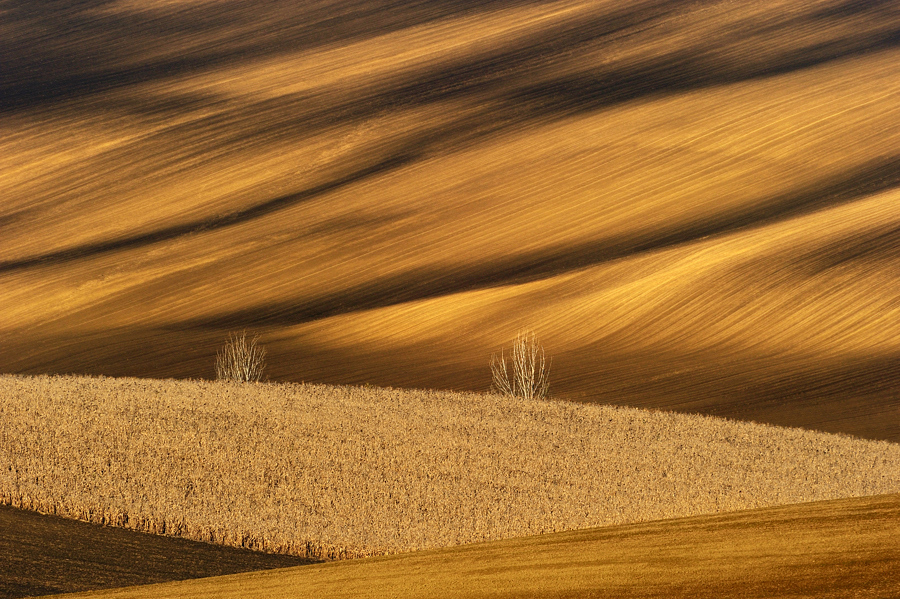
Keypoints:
pixel 44 555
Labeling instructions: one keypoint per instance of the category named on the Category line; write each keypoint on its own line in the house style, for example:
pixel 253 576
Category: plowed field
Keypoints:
pixel 694 204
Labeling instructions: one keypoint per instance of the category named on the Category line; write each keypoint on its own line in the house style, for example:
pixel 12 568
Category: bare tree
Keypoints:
pixel 528 374
pixel 240 360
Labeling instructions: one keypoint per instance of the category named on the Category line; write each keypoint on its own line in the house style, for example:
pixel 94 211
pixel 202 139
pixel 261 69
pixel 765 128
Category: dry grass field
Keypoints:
pixel 42 554
pixel 694 203
pixel 335 472
pixel 828 550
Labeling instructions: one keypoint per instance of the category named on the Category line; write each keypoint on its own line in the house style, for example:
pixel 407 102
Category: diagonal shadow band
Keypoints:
pixel 425 283
pixel 670 73
pixel 501 70
pixel 51 47
pixel 199 226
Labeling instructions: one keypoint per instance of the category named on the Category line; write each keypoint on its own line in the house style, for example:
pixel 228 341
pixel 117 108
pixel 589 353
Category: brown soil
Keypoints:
pixel 828 550
pixel 43 555
pixel 693 203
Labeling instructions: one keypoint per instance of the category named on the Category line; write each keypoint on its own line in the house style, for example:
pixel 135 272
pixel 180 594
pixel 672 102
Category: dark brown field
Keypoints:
pixel 41 555
pixel 826 550
pixel 694 204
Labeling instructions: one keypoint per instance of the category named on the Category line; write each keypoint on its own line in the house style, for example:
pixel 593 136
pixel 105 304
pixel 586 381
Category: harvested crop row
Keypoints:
pixel 333 472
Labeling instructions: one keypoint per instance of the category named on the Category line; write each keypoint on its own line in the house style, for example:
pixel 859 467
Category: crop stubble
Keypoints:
pixel 336 472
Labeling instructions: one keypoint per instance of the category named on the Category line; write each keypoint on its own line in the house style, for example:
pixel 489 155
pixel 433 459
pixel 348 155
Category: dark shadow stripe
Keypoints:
pixel 425 283
pixel 44 555
pixel 199 226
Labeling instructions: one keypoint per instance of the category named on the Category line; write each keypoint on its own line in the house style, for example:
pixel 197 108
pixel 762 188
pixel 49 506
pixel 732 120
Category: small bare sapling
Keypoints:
pixel 526 374
pixel 240 360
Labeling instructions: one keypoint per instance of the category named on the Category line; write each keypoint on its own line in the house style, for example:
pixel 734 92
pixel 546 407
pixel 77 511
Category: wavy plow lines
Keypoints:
pixel 693 203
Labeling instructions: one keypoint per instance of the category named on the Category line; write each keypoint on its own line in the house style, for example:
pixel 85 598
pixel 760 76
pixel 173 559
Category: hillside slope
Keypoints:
pixel 335 472
pixel 694 204
pixel 46 554
pixel 825 550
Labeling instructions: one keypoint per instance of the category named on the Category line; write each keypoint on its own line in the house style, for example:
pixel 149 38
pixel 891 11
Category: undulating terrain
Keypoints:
pixel 46 554
pixel 694 204
pixel 827 550
pixel 336 472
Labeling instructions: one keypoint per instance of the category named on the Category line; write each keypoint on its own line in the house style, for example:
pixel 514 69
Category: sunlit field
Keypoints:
pixel 337 472
pixel 828 550
pixel 693 204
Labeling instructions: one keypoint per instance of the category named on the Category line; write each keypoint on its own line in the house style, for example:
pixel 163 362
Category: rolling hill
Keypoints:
pixel 340 472
pixel 693 203
pixel 818 550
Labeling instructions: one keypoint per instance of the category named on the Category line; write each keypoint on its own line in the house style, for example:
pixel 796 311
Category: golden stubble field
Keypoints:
pixel 336 472
pixel 694 204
